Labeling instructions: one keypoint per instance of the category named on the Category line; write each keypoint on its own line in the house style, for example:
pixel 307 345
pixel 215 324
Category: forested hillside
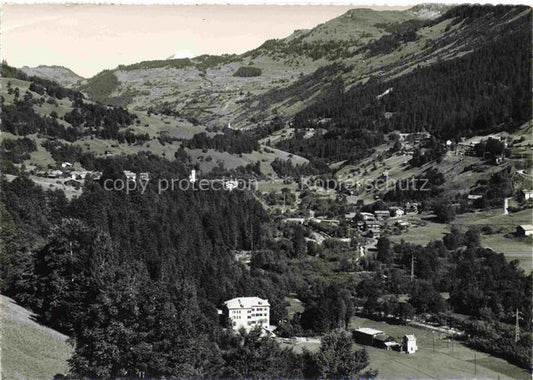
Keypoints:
pixel 482 92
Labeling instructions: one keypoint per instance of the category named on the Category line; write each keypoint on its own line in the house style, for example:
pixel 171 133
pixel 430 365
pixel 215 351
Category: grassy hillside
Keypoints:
pixel 29 350
pixel 62 75
pixel 165 136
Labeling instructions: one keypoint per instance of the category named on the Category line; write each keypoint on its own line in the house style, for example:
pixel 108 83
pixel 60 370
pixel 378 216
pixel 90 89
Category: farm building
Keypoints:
pixel 376 338
pixel 365 335
pixel 524 230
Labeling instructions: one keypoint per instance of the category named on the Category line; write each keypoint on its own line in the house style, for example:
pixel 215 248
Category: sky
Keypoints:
pixel 89 38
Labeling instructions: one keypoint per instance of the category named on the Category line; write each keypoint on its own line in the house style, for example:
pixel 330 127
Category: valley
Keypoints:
pixel 387 157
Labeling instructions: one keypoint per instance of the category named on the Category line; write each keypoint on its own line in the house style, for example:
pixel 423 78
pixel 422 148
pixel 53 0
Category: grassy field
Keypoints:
pixel 29 350
pixel 445 361
pixel 501 225
pixel 421 234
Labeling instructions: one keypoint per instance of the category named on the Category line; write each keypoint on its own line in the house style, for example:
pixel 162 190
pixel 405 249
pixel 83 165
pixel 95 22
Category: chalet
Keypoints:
pixel 350 215
pixel 411 208
pixel 73 182
pixel 526 194
pixel 66 165
pixel 333 222
pixel 524 230
pixel 78 174
pixel 382 214
pixel 96 175
pixel 192 177
pixel 409 344
pixel 414 137
pixel 372 224
pixel 403 224
pixel 499 159
pixel 248 312
pixel 368 216
pixel 230 184
pixel 54 173
pixel 396 211
pixel 130 176
pixel 293 220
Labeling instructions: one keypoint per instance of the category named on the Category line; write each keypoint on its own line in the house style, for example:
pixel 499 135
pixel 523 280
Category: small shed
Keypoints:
pixel 524 230
pixel 383 341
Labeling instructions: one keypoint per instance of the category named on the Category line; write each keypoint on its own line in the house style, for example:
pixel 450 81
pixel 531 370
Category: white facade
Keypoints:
pixel 409 342
pixel 130 176
pixel 248 312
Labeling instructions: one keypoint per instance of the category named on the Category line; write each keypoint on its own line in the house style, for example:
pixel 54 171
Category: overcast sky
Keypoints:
pixel 90 38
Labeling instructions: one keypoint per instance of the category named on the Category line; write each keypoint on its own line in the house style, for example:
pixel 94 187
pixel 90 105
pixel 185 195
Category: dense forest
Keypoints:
pixel 230 141
pixel 485 91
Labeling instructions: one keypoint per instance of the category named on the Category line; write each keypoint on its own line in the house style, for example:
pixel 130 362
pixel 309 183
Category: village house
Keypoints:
pixel 333 222
pixel 293 220
pixel 367 216
pixel 73 182
pixel 248 312
pixel 524 230
pixel 77 175
pixel 144 177
pixel 130 176
pixel 411 208
pixel 396 211
pixel 350 215
pixel 96 176
pixel 54 173
pixel 382 214
pixel 526 194
pixel 230 184
pixel 402 224
pixel 66 165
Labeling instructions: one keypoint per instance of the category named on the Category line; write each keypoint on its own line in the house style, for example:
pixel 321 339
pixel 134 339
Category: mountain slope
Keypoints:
pixel 59 74
pixel 205 87
pixel 30 350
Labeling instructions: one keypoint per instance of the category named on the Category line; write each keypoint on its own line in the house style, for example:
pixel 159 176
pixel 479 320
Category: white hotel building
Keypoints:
pixel 248 312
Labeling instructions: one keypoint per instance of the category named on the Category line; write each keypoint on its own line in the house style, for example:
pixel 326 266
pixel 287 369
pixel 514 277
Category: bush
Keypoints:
pixel 247 71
